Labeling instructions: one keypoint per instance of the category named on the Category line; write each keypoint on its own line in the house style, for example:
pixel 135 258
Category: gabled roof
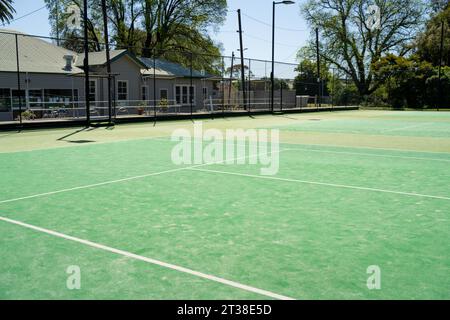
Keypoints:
pixel 169 69
pixel 35 55
pixel 99 58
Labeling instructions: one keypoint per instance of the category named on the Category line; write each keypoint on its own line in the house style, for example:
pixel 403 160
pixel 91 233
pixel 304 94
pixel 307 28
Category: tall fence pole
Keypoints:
pixel 86 66
pixel 154 86
pixel 441 55
pixel 108 59
pixel 318 69
pixel 241 44
pixel 191 86
pixel 231 79
pixel 19 89
pixel 249 85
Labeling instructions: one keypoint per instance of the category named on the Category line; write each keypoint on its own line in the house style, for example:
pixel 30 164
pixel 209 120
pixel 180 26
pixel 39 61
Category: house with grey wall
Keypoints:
pixel 49 81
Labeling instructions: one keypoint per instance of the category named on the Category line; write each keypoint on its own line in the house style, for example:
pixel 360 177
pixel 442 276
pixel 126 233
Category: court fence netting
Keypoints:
pixel 43 80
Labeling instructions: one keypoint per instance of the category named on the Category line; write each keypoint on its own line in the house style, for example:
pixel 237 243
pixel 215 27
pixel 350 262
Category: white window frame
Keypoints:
pixel 95 86
pixel 147 92
pixel 125 81
pixel 163 89
pixel 188 86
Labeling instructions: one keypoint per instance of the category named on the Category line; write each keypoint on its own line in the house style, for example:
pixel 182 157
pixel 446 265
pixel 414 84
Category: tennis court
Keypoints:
pixel 354 189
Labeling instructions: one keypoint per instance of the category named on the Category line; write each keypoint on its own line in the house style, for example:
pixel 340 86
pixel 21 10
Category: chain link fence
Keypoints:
pixel 43 82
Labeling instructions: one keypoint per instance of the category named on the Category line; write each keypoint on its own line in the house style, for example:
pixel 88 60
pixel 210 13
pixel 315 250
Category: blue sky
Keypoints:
pixel 291 34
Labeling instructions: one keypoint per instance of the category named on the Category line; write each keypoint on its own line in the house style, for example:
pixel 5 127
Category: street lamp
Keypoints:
pixel 272 76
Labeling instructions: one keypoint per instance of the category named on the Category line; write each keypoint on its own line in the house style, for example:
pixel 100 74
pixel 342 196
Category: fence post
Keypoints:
pixel 19 89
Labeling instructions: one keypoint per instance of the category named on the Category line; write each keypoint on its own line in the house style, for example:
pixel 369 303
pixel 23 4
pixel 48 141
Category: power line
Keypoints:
pixel 268 41
pixel 269 25
pixel 24 16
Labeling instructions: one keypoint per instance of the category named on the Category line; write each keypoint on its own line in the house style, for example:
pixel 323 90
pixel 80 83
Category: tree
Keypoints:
pixel 6 11
pixel 306 81
pixel 351 44
pixel 167 28
pixel 406 81
pixel 71 37
pixel 428 44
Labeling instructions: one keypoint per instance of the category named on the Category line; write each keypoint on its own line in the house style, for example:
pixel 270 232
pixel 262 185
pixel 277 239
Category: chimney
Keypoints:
pixel 70 60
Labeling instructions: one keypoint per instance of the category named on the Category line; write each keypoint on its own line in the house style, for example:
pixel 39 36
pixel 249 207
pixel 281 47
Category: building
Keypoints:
pixel 49 81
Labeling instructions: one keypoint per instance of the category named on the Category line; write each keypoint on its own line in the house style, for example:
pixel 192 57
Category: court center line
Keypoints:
pixel 131 178
pixel 321 183
pixel 150 260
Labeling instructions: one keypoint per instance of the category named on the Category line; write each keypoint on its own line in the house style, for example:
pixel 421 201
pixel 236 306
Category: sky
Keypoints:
pixel 291 33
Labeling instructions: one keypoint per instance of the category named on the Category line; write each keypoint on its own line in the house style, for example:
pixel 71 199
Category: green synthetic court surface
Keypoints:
pixel 354 189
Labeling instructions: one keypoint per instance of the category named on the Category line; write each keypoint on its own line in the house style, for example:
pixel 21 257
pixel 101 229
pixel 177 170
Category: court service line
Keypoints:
pixel 321 184
pixel 370 154
pixel 130 178
pixel 150 260
pixel 407 127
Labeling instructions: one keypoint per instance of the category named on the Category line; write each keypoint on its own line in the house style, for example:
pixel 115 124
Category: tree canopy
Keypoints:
pixel 6 11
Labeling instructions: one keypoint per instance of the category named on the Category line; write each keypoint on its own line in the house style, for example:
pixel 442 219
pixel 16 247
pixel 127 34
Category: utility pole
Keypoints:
pixel 272 76
pixel 108 59
pixel 242 61
pixel 57 22
pixel 86 66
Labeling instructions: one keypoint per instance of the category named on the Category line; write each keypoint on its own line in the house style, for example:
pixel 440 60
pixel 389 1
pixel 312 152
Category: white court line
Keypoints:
pixel 320 183
pixel 130 178
pixel 151 261
pixel 343 152
pixel 407 127
pixel 370 154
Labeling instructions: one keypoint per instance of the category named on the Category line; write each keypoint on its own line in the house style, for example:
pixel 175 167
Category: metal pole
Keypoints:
pixel 86 66
pixel 242 61
pixel 231 79
pixel 441 53
pixel 108 58
pixel 281 95
pixel 19 89
pixel 223 85
pixel 191 87
pixel 249 85
pixel 318 68
pixel 272 75
pixel 57 22
pixel 154 85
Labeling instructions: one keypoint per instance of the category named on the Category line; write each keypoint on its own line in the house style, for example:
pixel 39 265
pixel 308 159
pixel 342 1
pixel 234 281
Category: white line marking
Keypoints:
pixel 370 154
pixel 352 153
pixel 151 261
pixel 407 127
pixel 129 178
pixel 321 184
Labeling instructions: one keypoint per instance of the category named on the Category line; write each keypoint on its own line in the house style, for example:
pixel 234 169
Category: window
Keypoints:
pixel 18 99
pixel 205 93
pixel 163 94
pixel 122 90
pixel 59 96
pixel 184 94
pixel 5 100
pixel 35 98
pixel 92 90
pixel 144 93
